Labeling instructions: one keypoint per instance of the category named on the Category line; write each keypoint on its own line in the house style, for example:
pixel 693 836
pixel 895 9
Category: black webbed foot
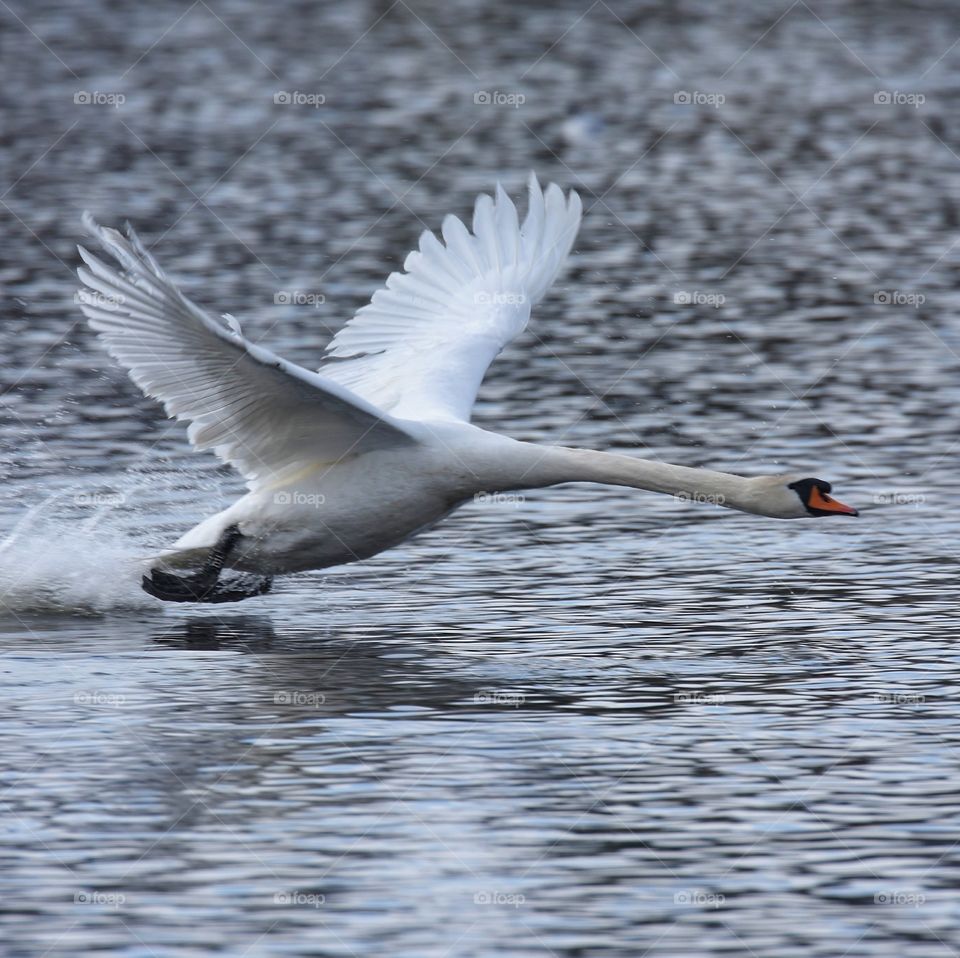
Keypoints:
pixel 178 588
pixel 204 586
pixel 239 586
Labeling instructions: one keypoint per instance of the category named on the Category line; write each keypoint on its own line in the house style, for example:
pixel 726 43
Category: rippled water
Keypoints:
pixel 586 722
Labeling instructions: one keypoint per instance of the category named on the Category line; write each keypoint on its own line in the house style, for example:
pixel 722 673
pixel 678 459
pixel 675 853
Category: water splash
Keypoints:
pixel 50 562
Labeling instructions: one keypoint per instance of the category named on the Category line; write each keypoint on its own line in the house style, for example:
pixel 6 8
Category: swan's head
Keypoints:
pixel 815 499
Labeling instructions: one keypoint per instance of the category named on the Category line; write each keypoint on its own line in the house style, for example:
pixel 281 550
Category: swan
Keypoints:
pixel 377 445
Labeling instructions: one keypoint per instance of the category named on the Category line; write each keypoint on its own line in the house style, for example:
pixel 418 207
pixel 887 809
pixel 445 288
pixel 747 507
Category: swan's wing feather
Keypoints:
pixel 262 414
pixel 422 345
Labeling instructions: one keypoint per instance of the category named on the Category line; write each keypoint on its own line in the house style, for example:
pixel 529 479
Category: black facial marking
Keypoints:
pixel 804 487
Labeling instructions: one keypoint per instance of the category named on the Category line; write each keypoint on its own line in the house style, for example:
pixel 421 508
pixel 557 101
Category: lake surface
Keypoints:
pixel 583 721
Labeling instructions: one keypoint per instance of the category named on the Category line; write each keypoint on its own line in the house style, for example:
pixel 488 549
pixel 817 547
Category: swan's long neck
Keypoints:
pixel 529 465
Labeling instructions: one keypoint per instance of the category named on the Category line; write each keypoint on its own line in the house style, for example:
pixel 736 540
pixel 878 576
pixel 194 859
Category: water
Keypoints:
pixel 588 721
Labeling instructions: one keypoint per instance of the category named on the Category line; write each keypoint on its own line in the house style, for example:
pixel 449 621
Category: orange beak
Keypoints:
pixel 825 503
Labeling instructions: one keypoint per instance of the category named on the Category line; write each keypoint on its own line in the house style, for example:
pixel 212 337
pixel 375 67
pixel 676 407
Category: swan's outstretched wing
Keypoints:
pixel 421 347
pixel 262 414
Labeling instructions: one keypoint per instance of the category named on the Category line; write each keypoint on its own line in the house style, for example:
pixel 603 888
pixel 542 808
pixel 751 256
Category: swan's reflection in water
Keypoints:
pixel 243 633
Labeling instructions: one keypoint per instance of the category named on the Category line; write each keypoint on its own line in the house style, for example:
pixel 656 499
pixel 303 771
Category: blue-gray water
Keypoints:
pixel 586 721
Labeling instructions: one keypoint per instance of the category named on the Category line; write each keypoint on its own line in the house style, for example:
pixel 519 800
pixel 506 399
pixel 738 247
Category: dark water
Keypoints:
pixel 586 722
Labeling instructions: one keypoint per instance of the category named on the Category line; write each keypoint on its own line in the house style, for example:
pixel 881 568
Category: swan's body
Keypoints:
pixel 376 446
pixel 327 516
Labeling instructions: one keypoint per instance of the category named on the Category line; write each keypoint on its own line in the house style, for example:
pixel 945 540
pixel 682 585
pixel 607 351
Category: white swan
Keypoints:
pixel 376 446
